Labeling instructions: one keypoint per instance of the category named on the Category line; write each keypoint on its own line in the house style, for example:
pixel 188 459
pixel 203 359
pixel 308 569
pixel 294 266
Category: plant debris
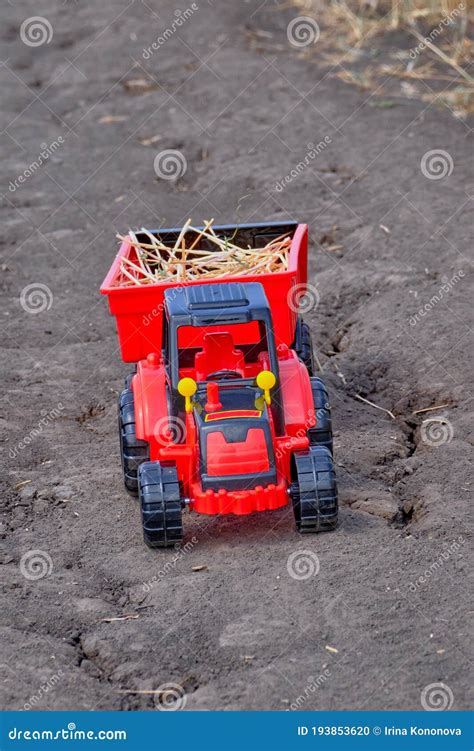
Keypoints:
pixel 430 409
pixel 155 262
pixel 106 119
pixel 140 85
pixel 124 617
pixel 363 399
pixel 143 692
pixel 21 484
pixel 149 141
pixel 429 41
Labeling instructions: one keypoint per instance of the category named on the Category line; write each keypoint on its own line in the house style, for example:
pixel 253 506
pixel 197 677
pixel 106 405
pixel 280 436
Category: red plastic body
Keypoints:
pixel 153 426
pixel 138 310
pixel 139 313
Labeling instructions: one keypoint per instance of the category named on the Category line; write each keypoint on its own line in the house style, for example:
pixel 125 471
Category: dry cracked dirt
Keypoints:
pixel 386 615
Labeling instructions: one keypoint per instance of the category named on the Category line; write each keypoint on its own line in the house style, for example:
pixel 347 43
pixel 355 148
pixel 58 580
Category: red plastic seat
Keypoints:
pixel 250 456
pixel 218 353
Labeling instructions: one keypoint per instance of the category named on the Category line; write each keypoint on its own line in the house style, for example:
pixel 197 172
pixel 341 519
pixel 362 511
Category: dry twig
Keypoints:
pixel 429 409
pixel 362 399
pixel 125 617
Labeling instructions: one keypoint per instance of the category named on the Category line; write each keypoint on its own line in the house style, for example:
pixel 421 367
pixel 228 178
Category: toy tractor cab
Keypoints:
pixel 223 414
pixel 218 347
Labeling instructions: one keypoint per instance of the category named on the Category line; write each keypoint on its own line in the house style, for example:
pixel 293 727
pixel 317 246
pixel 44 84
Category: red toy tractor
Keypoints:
pixel 223 413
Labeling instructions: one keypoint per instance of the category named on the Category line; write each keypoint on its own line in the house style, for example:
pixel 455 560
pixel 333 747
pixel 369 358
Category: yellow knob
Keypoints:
pixel 187 387
pixel 266 381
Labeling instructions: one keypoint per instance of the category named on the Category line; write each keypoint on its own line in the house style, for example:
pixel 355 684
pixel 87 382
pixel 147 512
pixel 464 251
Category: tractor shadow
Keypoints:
pixel 269 528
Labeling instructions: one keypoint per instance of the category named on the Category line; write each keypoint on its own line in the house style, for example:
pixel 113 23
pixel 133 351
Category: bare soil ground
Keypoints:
pixel 391 596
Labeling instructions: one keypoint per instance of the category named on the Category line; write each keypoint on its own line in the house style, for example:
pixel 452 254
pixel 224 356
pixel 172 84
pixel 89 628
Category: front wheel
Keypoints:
pixel 161 504
pixel 313 490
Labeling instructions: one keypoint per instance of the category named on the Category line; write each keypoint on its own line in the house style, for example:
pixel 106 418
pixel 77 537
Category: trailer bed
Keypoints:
pixel 138 310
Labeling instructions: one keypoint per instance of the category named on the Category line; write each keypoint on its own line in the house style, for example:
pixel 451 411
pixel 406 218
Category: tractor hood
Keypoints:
pixel 235 440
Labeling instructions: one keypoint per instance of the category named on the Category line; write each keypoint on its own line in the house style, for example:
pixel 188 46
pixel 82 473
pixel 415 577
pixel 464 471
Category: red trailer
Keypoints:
pixel 223 413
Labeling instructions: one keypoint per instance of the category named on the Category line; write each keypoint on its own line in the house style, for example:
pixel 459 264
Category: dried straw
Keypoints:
pixel 184 262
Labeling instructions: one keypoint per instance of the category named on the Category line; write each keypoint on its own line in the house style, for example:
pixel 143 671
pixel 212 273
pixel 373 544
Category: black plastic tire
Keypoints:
pixel 133 451
pixel 313 491
pixel 128 380
pixel 161 504
pixel 321 435
pixel 303 345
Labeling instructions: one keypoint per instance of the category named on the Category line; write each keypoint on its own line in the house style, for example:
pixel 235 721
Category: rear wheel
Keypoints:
pixel 129 378
pixel 161 504
pixel 321 434
pixel 303 345
pixel 133 451
pixel 313 490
